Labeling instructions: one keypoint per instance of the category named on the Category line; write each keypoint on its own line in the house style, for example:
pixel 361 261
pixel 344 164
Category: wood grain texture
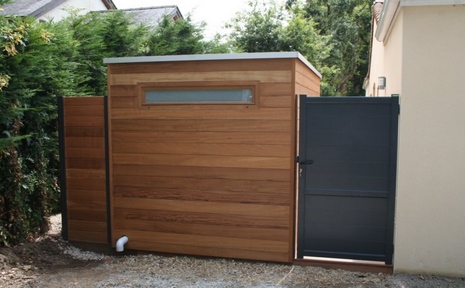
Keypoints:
pixel 203 179
pixel 135 78
pixel 85 169
pixel 199 125
pixel 254 138
pixel 207 241
pixel 278 150
pixel 203 229
pixel 153 113
pixel 195 194
pixel 88 236
pixel 203 160
pixel 306 82
pixel 184 184
pixel 198 218
pixel 219 173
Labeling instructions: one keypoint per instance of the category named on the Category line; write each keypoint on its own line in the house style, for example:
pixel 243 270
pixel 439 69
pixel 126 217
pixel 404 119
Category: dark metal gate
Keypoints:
pixel 348 152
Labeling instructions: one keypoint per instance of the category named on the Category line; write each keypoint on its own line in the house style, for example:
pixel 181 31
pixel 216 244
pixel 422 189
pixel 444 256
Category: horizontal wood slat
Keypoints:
pixel 86 174
pixel 87 110
pixel 202 207
pixel 87 215
pixel 135 78
pixel 203 160
pixel 202 229
pixel 261 174
pixel 201 149
pixel 207 241
pixel 86 195
pixel 85 153
pixel 187 114
pixel 92 132
pixel 85 163
pixel 254 138
pixel 221 219
pixel 96 205
pixel 85 169
pixel 196 194
pixel 77 101
pixel 88 236
pixel 79 121
pixel 90 184
pixel 85 142
pixel 195 184
pixel 91 226
pixel 202 125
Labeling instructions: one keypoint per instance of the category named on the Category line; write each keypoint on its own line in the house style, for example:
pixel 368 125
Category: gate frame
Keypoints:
pixel 393 142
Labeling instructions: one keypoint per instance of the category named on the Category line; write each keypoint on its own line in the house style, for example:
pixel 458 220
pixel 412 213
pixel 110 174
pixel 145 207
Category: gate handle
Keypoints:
pixel 308 162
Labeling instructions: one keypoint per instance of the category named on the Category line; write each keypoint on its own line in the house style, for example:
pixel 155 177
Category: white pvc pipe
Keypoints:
pixel 120 243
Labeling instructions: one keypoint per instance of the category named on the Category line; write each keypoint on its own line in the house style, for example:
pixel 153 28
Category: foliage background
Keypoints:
pixel 40 61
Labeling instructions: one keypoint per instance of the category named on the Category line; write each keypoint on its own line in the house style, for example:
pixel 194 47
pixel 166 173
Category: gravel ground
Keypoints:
pixel 52 262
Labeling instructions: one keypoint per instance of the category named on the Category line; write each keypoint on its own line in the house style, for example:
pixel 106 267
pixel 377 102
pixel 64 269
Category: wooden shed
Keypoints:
pixel 200 155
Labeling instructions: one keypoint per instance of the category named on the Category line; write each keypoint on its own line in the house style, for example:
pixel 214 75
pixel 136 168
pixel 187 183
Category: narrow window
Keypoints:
pixel 201 95
pixel 243 94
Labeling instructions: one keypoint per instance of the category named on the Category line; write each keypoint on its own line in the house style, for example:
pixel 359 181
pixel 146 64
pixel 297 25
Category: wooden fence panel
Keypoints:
pixel 84 153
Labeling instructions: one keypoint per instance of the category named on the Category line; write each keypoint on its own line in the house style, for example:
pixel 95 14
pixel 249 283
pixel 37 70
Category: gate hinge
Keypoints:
pixel 297 159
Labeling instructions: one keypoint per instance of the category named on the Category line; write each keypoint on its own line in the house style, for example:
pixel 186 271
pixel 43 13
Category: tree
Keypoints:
pixel 176 38
pixel 333 34
pixel 348 23
pixel 271 28
pixel 28 152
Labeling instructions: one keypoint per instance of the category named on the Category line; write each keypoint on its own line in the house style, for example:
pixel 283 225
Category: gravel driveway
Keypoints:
pixel 52 262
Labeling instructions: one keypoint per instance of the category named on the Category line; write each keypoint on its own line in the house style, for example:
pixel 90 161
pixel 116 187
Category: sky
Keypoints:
pixel 214 12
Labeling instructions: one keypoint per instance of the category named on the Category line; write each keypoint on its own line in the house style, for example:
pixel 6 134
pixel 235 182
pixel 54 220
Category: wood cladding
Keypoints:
pixel 203 179
pixel 85 169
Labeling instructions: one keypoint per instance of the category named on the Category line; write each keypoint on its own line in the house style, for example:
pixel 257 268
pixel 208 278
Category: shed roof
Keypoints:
pixel 37 8
pixel 151 15
pixel 211 57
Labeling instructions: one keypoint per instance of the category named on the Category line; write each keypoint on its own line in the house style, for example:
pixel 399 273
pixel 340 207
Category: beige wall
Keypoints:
pixel 430 206
pixel 386 61
pixel 393 59
pixel 61 12
pixel 376 66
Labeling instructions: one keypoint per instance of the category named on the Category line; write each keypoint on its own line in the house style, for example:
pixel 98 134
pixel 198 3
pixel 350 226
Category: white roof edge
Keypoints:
pixel 391 9
pixel 210 57
pixel 387 19
pixel 431 2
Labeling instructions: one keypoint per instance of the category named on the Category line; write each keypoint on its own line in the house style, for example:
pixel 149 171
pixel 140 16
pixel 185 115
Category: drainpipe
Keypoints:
pixel 120 243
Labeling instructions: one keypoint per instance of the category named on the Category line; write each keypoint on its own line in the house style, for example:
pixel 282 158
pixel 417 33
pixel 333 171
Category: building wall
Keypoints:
pixel 376 66
pixel 211 180
pixel 394 59
pixel 430 229
pixel 386 61
pixel 84 6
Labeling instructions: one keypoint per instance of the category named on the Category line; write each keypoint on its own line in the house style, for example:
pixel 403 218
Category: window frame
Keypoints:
pixel 199 85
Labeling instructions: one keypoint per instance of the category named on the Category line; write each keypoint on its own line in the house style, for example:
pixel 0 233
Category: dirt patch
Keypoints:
pixel 22 265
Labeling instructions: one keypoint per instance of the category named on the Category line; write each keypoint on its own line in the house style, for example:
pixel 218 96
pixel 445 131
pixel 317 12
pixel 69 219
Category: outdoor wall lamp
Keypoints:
pixel 381 83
